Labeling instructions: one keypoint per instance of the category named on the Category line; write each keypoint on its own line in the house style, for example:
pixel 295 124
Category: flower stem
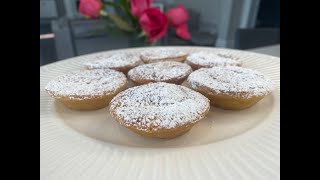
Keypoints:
pixel 103 13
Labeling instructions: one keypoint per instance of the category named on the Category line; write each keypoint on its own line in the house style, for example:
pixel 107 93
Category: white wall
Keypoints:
pixel 223 16
pixel 209 10
pixel 48 9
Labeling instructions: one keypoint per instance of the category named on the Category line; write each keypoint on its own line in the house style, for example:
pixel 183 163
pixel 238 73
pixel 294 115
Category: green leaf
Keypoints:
pixel 103 13
pixel 125 4
pixel 126 7
pixel 123 10
pixel 142 34
pixel 120 23
pixel 114 5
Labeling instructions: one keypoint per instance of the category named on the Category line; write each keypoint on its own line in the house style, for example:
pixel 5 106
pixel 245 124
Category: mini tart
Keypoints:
pixel 205 59
pixel 87 89
pixel 120 61
pixel 232 88
pixel 153 55
pixel 168 71
pixel 160 110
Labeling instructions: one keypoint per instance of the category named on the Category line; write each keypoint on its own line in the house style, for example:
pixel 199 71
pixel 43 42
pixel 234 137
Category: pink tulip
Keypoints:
pixel 138 6
pixel 177 16
pixel 183 32
pixel 90 8
pixel 154 23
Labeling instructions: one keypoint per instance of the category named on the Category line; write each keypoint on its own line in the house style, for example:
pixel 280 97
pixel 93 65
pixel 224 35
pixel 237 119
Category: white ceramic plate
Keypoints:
pixel 226 145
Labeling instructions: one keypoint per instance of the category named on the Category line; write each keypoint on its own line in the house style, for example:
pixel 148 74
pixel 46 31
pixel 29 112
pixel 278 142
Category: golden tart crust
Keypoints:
pixel 87 89
pixel 168 71
pixel 232 88
pixel 160 110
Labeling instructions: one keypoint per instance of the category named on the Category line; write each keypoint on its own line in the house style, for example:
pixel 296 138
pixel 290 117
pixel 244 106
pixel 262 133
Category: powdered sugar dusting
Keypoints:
pixel 156 54
pixel 113 61
pixel 160 71
pixel 210 59
pixel 231 79
pixel 86 83
pixel 158 105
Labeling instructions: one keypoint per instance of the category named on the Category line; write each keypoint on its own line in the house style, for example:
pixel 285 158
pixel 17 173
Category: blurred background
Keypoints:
pixel 237 24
